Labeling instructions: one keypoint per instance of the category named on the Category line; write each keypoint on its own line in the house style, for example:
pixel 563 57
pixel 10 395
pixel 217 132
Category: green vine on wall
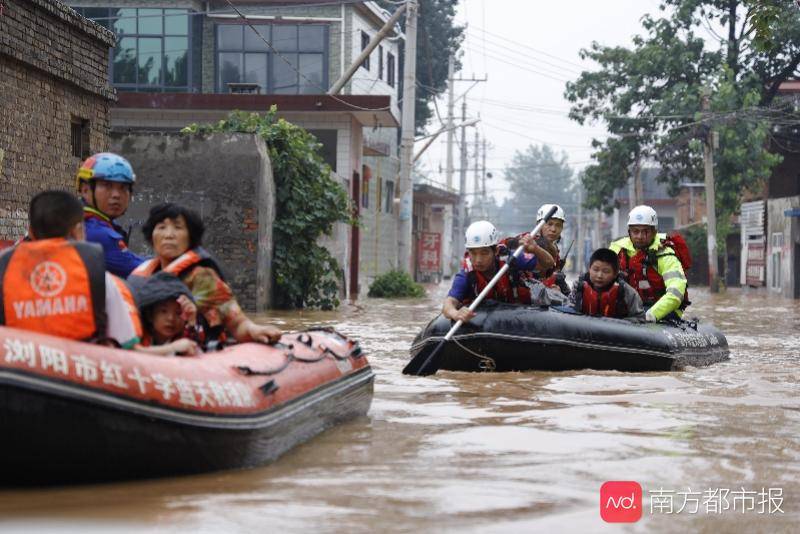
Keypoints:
pixel 308 203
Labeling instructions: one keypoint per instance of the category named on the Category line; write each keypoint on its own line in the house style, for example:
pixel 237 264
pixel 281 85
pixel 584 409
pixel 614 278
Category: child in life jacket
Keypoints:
pixel 602 293
pixel 169 316
pixel 483 263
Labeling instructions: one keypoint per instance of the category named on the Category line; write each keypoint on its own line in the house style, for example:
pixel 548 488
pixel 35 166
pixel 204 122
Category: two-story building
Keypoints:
pixel 188 61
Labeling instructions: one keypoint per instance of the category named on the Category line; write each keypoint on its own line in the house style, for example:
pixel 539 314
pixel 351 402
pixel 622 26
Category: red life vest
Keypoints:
pixel 508 289
pixel 641 270
pixel 181 265
pixel 608 303
pixel 54 286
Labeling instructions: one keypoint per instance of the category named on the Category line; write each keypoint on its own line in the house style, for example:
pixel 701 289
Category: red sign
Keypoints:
pixel 429 252
pixel 756 265
pixel 621 502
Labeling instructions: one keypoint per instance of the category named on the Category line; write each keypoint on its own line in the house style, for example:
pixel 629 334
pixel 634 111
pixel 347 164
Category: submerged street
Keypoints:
pixel 500 452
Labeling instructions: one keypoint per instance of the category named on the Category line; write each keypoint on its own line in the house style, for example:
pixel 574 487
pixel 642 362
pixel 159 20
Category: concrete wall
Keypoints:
pixel 53 71
pixel 783 244
pixel 227 178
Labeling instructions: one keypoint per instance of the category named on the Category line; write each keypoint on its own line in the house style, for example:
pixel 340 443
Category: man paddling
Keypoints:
pixel 483 262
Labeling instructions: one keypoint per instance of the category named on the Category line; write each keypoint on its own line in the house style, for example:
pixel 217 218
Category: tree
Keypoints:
pixel 437 38
pixel 537 175
pixel 649 96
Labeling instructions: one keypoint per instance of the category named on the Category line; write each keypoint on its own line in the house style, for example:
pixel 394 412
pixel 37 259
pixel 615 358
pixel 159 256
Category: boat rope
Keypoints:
pixel 485 363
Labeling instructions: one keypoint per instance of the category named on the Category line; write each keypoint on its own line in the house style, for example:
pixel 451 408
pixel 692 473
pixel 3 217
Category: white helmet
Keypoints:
pixel 481 234
pixel 643 215
pixel 559 214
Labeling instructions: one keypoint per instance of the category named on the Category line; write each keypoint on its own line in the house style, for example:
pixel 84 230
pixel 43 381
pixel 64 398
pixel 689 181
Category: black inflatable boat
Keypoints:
pixel 507 337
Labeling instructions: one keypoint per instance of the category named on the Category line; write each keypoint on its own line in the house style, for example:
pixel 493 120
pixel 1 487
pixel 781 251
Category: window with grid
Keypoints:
pixel 390 69
pixel 153 51
pixel 300 65
pixel 364 44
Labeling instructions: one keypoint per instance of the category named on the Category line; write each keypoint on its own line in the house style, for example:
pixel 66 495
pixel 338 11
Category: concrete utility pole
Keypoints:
pixel 406 186
pixel 711 214
pixel 579 261
pixel 476 186
pixel 462 182
pixel 483 176
pixel 451 101
pixel 373 43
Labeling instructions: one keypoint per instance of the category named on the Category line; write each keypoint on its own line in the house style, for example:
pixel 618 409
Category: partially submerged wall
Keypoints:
pixel 227 179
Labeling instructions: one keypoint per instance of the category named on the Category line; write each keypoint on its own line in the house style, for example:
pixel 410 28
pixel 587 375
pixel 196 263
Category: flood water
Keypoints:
pixel 504 452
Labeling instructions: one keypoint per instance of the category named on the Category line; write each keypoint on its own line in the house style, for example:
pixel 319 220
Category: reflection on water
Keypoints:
pixel 496 452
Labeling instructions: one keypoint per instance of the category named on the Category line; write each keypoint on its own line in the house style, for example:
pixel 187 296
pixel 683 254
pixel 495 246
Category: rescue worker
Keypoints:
pixel 55 283
pixel 651 266
pixel 550 238
pixel 105 182
pixel 602 293
pixel 483 262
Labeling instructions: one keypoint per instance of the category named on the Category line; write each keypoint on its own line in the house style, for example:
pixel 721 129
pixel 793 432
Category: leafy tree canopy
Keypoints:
pixel 650 96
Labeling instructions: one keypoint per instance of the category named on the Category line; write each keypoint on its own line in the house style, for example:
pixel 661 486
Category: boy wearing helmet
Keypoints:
pixel 105 182
pixel 652 266
pixel 483 262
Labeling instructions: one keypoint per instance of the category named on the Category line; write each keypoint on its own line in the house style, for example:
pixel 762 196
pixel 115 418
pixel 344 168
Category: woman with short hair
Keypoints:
pixel 175 234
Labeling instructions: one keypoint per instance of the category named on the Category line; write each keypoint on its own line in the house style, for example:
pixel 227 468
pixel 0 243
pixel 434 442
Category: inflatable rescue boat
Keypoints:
pixel 72 411
pixel 508 337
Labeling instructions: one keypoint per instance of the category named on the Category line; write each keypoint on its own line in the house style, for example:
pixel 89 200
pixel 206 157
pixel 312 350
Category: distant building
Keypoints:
pixel 655 194
pixel 54 102
pixel 190 61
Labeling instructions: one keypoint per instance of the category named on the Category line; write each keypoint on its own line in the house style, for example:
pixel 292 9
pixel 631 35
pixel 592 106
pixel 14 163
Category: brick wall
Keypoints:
pixel 53 70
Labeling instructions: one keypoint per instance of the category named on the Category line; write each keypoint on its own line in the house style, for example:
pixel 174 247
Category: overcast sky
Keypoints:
pixel 528 48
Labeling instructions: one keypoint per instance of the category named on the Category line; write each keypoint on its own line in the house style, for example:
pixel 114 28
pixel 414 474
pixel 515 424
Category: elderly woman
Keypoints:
pixel 175 233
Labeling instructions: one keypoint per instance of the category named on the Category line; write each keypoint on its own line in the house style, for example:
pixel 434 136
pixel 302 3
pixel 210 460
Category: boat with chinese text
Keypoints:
pixel 76 412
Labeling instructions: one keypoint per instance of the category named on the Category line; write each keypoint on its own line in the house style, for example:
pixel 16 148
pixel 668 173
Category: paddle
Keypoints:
pixel 422 364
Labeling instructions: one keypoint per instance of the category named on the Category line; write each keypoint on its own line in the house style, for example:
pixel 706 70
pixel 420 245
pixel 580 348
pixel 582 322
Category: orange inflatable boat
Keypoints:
pixel 72 411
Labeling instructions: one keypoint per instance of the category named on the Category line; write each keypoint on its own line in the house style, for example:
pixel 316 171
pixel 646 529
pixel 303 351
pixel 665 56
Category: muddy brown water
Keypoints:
pixel 511 452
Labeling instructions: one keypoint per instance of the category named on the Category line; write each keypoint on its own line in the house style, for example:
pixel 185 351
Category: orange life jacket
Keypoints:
pixel 508 289
pixel 608 303
pixel 54 286
pixel 180 266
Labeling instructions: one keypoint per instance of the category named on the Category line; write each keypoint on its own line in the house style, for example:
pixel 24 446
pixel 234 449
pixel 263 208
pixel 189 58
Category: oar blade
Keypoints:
pixel 424 363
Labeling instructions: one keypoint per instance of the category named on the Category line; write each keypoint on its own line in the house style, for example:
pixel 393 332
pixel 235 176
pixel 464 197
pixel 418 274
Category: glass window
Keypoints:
pixel 124 21
pixel 230 69
pixel 153 47
pixel 124 65
pixel 312 38
pixel 151 22
pixel 176 22
pixel 255 70
pixel 176 61
pixel 299 66
pixel 149 54
pixel 311 70
pixel 253 41
pixel 284 38
pixel 284 74
pixel 364 44
pixel 229 36
pixel 380 62
pixel 390 69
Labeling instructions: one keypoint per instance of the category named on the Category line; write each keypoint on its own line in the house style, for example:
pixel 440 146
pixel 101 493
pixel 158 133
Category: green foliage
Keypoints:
pixel 650 95
pixel 395 284
pixel 437 38
pixel 308 201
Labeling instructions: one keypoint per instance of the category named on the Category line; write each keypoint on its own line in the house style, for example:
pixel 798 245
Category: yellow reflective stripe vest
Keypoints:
pixel 668 267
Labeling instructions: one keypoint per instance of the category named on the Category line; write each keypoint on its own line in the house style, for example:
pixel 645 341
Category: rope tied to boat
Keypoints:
pixel 485 363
